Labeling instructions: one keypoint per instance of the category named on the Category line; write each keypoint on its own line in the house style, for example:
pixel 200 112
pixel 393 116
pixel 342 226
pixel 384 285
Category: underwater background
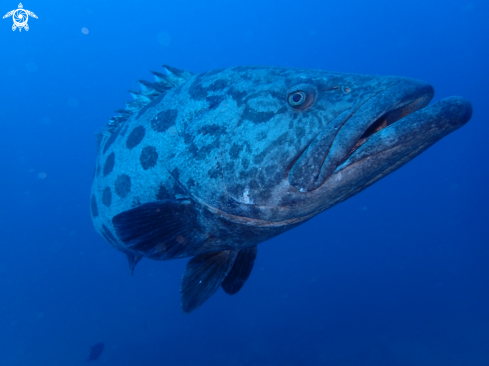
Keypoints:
pixel 396 275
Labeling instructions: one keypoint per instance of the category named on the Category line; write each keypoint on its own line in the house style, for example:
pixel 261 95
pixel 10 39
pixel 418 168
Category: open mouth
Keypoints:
pixel 389 118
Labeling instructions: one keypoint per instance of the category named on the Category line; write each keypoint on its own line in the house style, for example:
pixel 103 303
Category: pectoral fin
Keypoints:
pixel 240 272
pixel 160 230
pixel 203 276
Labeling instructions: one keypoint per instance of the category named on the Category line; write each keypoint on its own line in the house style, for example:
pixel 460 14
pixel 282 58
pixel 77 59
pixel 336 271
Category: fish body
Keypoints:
pixel 210 165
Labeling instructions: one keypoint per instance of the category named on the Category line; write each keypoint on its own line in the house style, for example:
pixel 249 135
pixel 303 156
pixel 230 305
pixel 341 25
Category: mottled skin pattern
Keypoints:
pixel 247 163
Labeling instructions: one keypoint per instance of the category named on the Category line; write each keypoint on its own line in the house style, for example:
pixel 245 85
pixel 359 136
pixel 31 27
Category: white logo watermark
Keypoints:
pixel 20 17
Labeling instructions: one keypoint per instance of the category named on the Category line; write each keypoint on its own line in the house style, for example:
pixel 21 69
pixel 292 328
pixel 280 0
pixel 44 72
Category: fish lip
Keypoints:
pixel 395 102
pixel 408 103
pixel 417 130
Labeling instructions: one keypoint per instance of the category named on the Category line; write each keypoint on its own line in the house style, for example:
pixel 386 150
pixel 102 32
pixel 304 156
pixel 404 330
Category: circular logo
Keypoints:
pixel 20 17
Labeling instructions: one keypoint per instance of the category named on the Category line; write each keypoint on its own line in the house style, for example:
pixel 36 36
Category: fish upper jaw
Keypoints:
pixel 352 127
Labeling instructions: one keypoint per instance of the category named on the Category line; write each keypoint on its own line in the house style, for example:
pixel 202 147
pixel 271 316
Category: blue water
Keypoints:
pixel 396 275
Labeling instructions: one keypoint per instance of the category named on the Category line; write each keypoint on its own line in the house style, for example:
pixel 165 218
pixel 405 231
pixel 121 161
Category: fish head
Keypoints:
pixel 308 139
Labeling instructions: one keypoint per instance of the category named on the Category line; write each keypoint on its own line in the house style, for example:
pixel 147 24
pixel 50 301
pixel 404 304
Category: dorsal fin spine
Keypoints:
pixel 139 96
pixel 150 88
pixel 182 74
pixel 125 112
pixel 175 76
pixel 149 91
pixel 160 80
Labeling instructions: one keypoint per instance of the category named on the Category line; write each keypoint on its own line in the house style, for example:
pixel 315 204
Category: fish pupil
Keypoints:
pixel 297 98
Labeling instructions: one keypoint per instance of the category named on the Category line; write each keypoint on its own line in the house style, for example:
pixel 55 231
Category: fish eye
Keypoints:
pixel 301 96
pixel 297 98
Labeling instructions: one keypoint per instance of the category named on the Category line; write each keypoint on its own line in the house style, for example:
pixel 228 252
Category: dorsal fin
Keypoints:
pixel 161 80
pixel 171 78
pixel 140 97
pixel 175 76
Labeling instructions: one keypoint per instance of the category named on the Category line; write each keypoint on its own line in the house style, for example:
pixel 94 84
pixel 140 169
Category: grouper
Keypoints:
pixel 210 165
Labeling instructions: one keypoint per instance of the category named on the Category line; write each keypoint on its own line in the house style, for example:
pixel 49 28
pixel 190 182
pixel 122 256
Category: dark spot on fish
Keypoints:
pixel 270 170
pixel 253 172
pixel 261 136
pixel 107 197
pixel 93 206
pixel 212 130
pixel 300 132
pixel 214 173
pixel 196 90
pixel 188 138
pixel 149 157
pixel 229 166
pixel 109 164
pixel 263 195
pixel 254 211
pixel 258 159
pixel 203 152
pixel 214 101
pixel 245 72
pixel 193 150
pixel 243 175
pixel 260 117
pixel 111 139
pixel 163 120
pixel 162 193
pixel 277 177
pixel 291 124
pixel 190 183
pixel 257 117
pixel 219 84
pixel 122 185
pixel 235 150
pixel 175 173
pixel 245 163
pixel 135 137
pixel 238 96
pixel 282 110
